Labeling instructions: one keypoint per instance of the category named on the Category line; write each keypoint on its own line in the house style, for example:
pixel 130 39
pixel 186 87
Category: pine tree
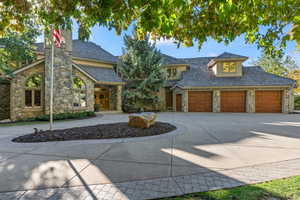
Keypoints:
pixel 141 67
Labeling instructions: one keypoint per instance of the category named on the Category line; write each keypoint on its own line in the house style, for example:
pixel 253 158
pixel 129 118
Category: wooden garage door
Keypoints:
pixel 268 101
pixel 233 101
pixel 200 101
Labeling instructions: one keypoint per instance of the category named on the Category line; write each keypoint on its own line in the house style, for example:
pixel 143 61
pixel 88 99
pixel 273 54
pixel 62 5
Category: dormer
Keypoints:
pixel 227 65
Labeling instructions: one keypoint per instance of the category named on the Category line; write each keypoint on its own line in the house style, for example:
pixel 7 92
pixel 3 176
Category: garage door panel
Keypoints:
pixel 233 101
pixel 268 101
pixel 200 101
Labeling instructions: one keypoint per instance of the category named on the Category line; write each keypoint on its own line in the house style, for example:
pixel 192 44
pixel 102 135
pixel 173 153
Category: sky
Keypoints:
pixel 113 43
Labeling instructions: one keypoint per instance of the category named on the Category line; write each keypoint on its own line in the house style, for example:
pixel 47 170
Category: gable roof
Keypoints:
pixel 169 60
pixel 200 76
pixel 105 75
pixel 87 50
pixel 230 55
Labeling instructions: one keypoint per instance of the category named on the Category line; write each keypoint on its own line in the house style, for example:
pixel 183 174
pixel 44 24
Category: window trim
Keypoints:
pixel 230 64
pixel 33 92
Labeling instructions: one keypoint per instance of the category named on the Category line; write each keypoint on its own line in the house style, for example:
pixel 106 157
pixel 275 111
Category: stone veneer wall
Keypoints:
pixel 112 97
pixel 288 100
pixel 90 91
pixel 4 100
pixel 63 96
pixel 250 101
pixel 18 110
pixel 216 101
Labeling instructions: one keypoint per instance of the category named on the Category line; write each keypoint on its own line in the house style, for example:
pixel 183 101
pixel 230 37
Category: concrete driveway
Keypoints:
pixel 213 143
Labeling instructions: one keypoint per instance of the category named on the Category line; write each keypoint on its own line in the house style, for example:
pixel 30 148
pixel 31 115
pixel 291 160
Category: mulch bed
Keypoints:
pixel 101 131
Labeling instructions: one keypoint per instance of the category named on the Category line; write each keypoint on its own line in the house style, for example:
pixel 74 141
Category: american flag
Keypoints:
pixel 57 38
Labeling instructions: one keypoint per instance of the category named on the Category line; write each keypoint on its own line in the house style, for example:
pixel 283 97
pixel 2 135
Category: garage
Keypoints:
pixel 200 101
pixel 268 101
pixel 233 101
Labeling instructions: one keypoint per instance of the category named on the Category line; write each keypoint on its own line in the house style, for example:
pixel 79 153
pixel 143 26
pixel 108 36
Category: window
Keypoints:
pixel 79 89
pixel 172 72
pixel 229 67
pixel 33 91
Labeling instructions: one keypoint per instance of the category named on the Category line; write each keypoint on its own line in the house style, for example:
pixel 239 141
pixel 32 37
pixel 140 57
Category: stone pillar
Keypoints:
pixel 250 101
pixel 216 101
pixel 288 100
pixel 119 98
pixel 185 101
pixel 63 97
pixel 162 99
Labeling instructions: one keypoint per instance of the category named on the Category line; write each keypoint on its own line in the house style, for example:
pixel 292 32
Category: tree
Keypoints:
pixel 264 23
pixel 141 67
pixel 17 49
pixel 279 65
pixel 295 74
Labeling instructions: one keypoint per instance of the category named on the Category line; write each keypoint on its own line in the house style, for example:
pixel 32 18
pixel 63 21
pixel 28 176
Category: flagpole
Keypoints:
pixel 51 83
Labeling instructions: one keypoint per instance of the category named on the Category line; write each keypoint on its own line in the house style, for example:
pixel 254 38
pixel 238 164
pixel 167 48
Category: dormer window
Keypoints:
pixel 172 73
pixel 229 67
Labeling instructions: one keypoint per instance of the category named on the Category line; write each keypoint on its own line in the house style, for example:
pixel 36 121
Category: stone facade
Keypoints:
pixel 250 101
pixel 18 110
pixel 288 100
pixel 119 98
pixel 63 96
pixel 216 101
pixel 90 91
pixel 4 100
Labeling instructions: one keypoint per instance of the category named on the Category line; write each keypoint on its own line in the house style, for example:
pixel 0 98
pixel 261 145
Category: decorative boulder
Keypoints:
pixel 143 120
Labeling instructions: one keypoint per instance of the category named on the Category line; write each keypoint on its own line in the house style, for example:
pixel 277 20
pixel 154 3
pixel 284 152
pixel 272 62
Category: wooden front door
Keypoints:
pixel 200 101
pixel 178 102
pixel 268 101
pixel 102 99
pixel 233 101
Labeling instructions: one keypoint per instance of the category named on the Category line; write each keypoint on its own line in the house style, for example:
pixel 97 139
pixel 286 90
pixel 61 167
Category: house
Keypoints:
pixel 85 80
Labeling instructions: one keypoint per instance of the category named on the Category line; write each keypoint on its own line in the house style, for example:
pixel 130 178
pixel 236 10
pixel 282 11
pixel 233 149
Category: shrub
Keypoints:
pixel 63 116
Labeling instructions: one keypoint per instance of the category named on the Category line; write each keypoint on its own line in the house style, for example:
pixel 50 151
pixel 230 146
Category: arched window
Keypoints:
pixel 33 93
pixel 79 90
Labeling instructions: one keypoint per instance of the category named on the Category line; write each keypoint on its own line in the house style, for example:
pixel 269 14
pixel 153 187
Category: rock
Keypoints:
pixel 143 120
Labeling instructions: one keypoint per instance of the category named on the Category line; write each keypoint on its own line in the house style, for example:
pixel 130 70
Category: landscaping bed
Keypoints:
pixel 101 131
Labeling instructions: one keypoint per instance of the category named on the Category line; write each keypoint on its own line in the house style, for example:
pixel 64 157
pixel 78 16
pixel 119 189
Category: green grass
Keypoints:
pixel 287 189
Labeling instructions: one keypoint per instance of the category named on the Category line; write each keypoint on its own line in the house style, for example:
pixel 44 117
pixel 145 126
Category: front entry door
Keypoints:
pixel 102 99
pixel 178 102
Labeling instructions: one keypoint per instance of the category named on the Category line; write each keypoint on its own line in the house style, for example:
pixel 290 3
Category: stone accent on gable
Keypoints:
pixel 18 110
pixel 90 92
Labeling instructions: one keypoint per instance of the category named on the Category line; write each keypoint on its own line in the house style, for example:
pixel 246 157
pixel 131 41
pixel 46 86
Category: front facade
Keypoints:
pixel 223 84
pixel 85 80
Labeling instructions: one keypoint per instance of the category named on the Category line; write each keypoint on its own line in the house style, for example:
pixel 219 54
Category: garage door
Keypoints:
pixel 268 101
pixel 200 101
pixel 233 101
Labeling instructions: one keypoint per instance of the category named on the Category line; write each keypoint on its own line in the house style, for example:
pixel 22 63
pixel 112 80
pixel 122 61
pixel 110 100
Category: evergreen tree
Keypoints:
pixel 141 67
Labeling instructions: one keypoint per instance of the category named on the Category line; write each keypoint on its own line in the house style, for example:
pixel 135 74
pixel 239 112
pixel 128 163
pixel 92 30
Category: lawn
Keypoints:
pixel 288 188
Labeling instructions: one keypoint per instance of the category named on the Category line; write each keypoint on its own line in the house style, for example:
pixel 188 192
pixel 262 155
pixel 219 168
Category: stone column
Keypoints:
pixel 185 101
pixel 119 98
pixel 216 101
pixel 288 100
pixel 63 79
pixel 250 101
pixel 162 99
